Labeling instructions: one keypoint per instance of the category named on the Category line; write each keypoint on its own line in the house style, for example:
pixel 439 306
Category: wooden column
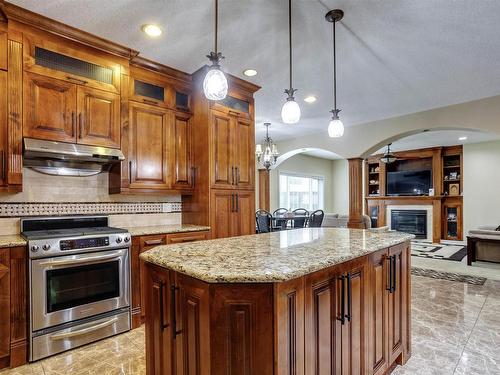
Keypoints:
pixel 355 193
pixel 264 190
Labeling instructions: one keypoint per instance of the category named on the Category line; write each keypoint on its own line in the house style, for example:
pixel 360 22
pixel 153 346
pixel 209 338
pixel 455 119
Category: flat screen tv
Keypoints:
pixel 409 182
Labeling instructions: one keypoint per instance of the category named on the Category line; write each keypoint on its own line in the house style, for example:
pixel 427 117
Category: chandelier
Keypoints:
pixel 267 152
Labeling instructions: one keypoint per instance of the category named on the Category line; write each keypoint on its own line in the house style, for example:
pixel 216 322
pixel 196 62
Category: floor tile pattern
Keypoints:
pixel 456 330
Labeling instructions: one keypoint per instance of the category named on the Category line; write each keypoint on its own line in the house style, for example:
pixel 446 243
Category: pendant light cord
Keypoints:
pixel 290 38
pixel 334 70
pixel 216 23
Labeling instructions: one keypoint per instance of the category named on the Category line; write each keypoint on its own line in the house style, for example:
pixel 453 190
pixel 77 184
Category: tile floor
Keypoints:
pixel 456 330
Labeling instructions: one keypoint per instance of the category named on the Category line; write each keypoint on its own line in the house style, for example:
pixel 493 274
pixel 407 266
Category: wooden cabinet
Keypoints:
pixel 148 154
pixel 232 213
pixel 49 108
pixel 98 117
pixel 3 50
pixel 57 110
pixel 3 128
pixel 183 172
pixel 233 152
pixel 4 304
pixel 144 243
pixel 452 218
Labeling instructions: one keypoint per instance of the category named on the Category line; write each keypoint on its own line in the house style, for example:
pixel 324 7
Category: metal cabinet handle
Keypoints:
pixel 80 332
pixel 80 125
pixel 237 202
pixel 130 172
pixel 73 123
pixel 349 297
pixel 81 81
pixel 153 242
pixel 3 166
pixel 342 300
pixel 175 332
pixel 394 273
pixel 389 274
pixel 163 325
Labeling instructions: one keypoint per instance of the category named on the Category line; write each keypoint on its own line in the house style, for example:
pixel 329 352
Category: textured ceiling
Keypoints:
pixel 394 56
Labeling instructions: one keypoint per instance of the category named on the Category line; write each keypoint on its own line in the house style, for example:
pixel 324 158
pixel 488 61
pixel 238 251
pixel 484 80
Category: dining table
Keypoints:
pixel 289 219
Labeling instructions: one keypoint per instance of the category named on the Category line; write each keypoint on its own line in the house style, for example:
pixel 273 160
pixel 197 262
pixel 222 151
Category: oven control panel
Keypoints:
pixel 83 243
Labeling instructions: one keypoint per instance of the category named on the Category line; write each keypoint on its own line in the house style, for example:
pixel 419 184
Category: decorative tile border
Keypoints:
pixel 109 208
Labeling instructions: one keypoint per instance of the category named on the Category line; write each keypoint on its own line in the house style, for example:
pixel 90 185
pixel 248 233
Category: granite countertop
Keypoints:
pixel 270 257
pixel 165 229
pixel 12 240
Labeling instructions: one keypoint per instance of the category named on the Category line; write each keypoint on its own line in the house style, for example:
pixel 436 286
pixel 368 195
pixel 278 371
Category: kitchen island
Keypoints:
pixel 305 301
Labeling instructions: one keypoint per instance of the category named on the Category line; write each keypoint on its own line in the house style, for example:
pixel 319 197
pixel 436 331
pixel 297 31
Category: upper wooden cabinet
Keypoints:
pixel 3 128
pixel 62 59
pixel 150 132
pixel 233 152
pixel 98 117
pixel 183 173
pixel 58 110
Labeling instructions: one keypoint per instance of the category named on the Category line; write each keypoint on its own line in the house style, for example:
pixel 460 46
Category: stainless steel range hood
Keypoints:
pixel 68 159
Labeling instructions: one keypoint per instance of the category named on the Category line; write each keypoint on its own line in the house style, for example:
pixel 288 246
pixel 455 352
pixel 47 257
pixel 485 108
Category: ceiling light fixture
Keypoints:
pixel 250 72
pixel 267 152
pixel 335 127
pixel 462 138
pixel 215 82
pixel 290 112
pixel 310 99
pixel 388 157
pixel 151 30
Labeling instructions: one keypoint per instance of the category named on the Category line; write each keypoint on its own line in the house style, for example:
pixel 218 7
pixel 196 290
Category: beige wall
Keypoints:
pixel 481 185
pixel 340 178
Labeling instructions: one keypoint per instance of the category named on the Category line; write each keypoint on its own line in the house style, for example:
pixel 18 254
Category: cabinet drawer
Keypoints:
pixel 187 237
pixel 148 242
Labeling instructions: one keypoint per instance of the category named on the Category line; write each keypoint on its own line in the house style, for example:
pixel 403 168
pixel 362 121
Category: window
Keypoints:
pixel 301 191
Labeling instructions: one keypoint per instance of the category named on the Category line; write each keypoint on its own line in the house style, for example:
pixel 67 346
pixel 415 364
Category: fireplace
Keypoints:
pixel 410 221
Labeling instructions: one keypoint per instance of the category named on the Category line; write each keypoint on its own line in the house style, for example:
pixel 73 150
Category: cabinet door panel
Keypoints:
pixel 49 109
pixel 222 214
pixel 244 151
pixel 223 169
pixel 245 210
pixel 182 150
pixel 3 128
pixel 4 302
pixel 149 134
pixel 98 117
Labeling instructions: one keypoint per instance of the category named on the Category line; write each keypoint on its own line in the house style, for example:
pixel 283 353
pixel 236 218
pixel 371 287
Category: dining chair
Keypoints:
pixel 316 218
pixel 264 220
pixel 280 223
pixel 302 221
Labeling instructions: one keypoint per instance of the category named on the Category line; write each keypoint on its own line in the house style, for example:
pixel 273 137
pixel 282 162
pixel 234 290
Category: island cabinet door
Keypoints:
pixel 159 334
pixel 378 312
pixel 398 297
pixel 191 326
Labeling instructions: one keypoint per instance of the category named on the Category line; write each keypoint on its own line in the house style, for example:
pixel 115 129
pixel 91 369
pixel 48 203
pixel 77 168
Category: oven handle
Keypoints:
pixel 115 254
pixel 62 336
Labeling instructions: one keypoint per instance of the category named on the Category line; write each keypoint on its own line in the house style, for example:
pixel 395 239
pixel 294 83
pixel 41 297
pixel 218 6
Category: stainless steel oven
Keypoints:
pixel 79 273
pixel 73 287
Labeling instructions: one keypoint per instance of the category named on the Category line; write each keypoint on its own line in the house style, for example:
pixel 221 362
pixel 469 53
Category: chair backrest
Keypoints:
pixel 316 219
pixel 263 220
pixel 301 222
pixel 280 212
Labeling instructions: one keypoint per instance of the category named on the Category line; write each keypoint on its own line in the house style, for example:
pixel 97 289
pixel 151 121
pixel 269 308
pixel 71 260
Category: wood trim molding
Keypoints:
pixel 15 115
pixel 144 63
pixel 264 190
pixel 14 12
pixel 355 193
pixel 3 17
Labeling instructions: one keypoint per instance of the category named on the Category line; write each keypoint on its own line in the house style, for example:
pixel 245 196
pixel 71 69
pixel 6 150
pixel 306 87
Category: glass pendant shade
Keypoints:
pixel 290 112
pixel 335 128
pixel 215 84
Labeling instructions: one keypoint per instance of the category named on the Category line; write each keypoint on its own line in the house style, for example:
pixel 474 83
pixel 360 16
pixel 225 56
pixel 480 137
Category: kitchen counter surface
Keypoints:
pixel 12 240
pixel 270 257
pixel 166 229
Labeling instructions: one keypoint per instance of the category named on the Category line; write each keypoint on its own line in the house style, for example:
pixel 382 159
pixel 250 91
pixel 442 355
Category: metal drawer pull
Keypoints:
pixel 84 331
pixel 189 239
pixel 82 260
pixel 153 242
pixel 342 300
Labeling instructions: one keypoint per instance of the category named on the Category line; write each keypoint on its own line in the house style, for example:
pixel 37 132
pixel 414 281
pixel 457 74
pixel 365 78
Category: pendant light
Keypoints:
pixel 290 112
pixel 388 157
pixel 267 152
pixel 335 127
pixel 215 82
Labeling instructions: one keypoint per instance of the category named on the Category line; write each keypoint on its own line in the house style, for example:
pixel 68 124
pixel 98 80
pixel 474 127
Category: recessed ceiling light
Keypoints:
pixel 250 72
pixel 310 99
pixel 152 30
pixel 462 138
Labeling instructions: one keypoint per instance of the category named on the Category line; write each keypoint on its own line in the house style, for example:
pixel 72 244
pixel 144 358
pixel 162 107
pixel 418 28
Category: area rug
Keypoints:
pixel 451 276
pixel 438 251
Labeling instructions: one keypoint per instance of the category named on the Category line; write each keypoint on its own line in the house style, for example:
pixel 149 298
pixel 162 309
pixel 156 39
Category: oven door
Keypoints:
pixel 73 287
